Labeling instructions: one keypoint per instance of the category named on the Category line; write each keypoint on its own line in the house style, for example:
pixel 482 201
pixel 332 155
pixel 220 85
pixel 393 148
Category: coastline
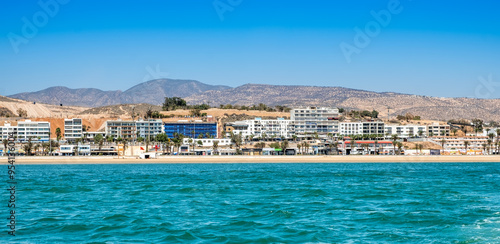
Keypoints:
pixel 258 159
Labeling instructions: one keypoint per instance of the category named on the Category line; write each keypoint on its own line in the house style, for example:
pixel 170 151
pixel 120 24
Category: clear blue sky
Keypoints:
pixel 436 48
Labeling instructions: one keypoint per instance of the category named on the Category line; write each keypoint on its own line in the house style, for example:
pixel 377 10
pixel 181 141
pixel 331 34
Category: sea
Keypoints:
pixel 256 203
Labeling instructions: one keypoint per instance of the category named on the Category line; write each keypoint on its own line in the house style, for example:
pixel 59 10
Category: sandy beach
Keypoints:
pixel 256 159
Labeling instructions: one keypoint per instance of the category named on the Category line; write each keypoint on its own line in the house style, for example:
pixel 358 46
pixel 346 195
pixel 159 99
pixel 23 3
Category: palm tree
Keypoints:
pixel 5 142
pixel 353 142
pixel 215 146
pixel 58 134
pixel 400 146
pixel 489 145
pixel 336 146
pixel 443 141
pixel 394 138
pixel 99 140
pixel 466 144
pixel 191 142
pixel 366 147
pixel 37 146
pixel 305 147
pixel 454 132
pixel 284 146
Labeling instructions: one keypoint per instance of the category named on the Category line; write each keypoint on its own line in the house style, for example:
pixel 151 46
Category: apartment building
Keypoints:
pixel 72 129
pixel 361 128
pixel 437 129
pixel 149 128
pixel 405 131
pixel 6 129
pixel 121 129
pixel 312 120
pixel 259 128
pixel 458 143
pixel 36 130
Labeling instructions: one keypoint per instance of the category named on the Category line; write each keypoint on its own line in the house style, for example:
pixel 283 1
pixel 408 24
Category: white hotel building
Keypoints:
pixel 6 129
pixel 311 120
pixel 152 127
pixel 361 128
pixel 405 131
pixel 259 128
pixel 72 129
pixel 36 130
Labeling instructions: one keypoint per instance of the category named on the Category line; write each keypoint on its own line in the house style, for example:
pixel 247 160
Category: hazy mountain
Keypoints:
pixel 153 92
pixel 396 103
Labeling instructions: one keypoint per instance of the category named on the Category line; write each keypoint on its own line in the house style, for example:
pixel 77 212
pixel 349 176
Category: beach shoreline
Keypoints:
pixel 258 159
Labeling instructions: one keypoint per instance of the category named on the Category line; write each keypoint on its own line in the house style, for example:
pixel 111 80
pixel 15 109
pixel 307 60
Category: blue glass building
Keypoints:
pixel 187 129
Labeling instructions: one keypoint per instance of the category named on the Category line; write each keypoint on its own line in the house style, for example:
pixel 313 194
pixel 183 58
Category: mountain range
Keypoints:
pixel 194 92
pixel 153 92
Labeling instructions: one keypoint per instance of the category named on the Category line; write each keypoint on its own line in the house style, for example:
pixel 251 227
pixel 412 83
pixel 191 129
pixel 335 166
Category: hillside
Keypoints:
pixel 37 110
pixel 152 92
pixel 427 107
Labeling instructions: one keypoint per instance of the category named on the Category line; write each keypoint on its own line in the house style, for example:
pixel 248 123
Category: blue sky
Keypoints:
pixel 427 47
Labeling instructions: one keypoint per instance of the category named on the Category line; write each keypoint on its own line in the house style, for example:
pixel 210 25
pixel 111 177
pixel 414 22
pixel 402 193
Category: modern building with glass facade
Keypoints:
pixel 191 129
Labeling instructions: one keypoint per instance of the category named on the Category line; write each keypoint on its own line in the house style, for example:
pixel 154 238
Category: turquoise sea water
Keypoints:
pixel 257 203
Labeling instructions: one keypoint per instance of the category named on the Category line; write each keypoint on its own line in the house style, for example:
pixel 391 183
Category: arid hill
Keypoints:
pixel 426 107
pixel 152 92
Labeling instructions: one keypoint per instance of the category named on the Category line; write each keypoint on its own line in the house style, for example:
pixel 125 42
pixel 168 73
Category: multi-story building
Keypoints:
pixel 6 129
pixel 90 135
pixel 191 129
pixel 405 131
pixel 312 120
pixel 34 130
pixel 437 129
pixel 458 143
pixel 361 128
pixel 121 129
pixel 149 128
pixel 72 129
pixel 207 142
pixel 259 128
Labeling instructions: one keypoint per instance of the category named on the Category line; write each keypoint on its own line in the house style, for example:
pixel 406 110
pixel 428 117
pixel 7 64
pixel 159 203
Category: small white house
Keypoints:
pixel 69 150
pixel 147 155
